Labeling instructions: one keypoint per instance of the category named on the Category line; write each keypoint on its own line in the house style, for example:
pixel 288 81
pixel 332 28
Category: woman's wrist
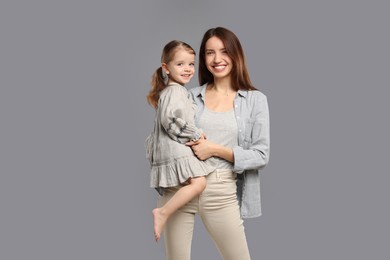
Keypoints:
pixel 223 152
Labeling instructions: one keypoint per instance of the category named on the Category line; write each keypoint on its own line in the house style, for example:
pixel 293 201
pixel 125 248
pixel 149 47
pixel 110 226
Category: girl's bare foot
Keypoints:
pixel 158 221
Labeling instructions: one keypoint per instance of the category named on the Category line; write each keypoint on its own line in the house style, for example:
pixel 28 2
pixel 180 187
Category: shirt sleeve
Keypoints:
pixel 175 117
pixel 255 154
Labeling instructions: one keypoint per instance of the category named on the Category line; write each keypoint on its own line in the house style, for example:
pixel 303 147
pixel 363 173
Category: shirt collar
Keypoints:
pixel 242 93
pixel 202 91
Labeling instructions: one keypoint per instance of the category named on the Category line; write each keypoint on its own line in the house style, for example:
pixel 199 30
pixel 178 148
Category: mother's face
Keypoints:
pixel 217 59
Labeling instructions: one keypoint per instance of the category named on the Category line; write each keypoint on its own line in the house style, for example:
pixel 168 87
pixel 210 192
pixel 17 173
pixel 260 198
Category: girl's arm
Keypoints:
pixel 173 104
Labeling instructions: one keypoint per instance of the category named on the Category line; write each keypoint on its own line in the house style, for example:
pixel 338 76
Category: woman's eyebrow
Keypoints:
pixel 222 49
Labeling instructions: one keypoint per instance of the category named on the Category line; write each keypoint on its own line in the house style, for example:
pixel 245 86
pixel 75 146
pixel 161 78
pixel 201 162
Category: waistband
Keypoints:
pixel 219 172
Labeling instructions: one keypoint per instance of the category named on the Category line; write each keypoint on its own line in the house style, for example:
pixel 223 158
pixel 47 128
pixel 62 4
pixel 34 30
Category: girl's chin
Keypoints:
pixel 185 81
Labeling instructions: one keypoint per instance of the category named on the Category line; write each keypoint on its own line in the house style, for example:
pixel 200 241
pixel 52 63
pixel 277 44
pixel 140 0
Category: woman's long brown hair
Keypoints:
pixel 239 75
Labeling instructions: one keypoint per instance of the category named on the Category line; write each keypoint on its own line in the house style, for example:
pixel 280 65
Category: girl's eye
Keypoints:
pixel 180 64
pixel 192 64
pixel 209 52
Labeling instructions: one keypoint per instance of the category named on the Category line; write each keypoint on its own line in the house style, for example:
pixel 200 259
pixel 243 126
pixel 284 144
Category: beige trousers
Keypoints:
pixel 218 208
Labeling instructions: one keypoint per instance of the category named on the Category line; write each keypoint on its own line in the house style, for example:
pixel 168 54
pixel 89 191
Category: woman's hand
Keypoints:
pixel 203 148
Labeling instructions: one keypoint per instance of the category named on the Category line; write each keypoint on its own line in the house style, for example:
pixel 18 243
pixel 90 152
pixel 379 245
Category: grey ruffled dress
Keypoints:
pixel 172 162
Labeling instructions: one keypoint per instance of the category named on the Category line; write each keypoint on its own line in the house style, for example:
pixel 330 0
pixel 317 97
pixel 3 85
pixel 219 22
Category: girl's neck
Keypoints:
pixel 174 83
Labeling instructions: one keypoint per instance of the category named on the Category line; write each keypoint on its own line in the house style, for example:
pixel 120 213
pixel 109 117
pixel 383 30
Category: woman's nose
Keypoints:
pixel 217 58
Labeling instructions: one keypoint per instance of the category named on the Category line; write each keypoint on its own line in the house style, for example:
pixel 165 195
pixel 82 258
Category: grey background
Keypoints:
pixel 74 75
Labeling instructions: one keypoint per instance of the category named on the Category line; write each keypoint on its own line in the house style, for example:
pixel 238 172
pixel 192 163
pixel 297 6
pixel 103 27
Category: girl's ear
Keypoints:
pixel 165 68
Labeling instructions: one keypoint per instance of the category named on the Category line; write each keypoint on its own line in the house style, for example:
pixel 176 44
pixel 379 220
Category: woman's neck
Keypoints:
pixel 222 86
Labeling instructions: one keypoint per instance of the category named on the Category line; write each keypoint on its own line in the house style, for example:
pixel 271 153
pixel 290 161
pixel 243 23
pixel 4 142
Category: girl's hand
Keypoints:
pixel 191 143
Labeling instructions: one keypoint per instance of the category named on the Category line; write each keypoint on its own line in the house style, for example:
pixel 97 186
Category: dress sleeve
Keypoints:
pixel 175 117
pixel 255 154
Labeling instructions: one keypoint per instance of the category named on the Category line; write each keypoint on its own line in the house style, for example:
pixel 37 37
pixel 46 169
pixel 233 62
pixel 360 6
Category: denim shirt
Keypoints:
pixel 252 153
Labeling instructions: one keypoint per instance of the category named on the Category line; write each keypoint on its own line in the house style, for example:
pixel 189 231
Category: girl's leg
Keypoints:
pixel 220 214
pixel 179 228
pixel 181 197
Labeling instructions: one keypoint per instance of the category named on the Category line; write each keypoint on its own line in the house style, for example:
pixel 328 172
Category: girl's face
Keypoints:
pixel 217 60
pixel 182 68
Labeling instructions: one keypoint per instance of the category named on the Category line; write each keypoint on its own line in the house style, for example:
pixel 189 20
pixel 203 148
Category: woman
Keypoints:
pixel 234 116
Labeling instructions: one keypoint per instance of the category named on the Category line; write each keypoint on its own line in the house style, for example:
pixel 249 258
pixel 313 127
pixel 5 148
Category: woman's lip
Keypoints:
pixel 219 67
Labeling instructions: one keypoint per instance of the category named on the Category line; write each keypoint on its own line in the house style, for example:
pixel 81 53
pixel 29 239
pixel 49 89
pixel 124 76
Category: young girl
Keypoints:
pixel 172 162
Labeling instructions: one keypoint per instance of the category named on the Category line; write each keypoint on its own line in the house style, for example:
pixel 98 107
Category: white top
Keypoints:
pixel 220 128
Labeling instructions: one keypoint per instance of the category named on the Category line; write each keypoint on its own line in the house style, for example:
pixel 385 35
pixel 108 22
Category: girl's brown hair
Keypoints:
pixel 159 81
pixel 239 74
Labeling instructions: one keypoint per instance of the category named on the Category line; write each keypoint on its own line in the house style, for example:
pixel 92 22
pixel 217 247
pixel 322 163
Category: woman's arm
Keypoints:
pixel 205 149
pixel 254 152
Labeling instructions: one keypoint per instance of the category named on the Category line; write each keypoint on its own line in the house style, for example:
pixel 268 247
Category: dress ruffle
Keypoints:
pixel 177 172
